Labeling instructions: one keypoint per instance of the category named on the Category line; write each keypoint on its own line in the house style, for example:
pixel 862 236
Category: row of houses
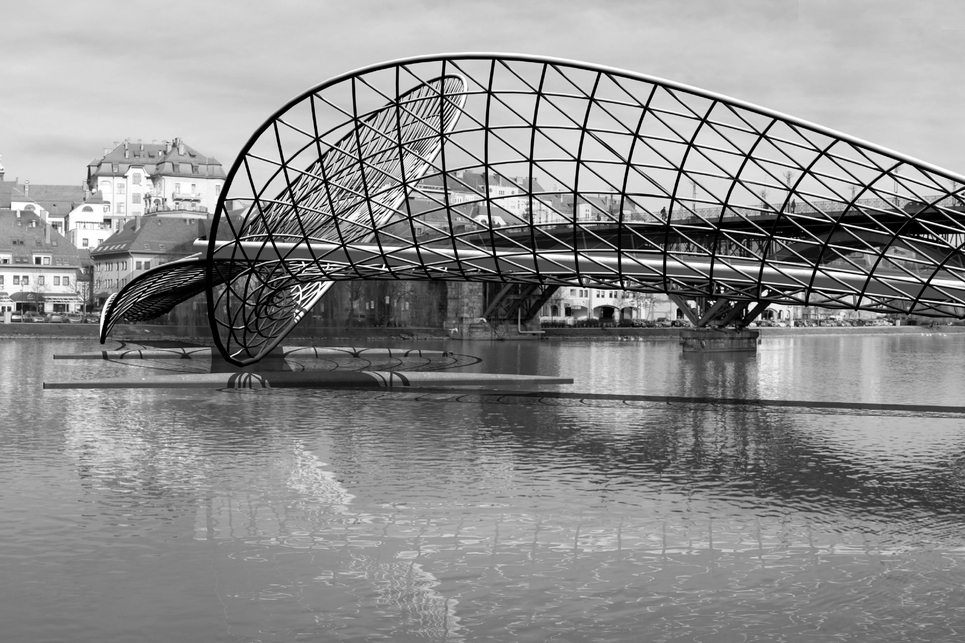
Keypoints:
pixel 66 248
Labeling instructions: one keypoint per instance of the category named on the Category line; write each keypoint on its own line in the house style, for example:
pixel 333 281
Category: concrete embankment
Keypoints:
pixel 656 334
pixel 202 334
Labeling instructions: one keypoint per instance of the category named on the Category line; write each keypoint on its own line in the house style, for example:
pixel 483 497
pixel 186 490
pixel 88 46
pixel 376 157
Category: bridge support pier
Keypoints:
pixel 708 340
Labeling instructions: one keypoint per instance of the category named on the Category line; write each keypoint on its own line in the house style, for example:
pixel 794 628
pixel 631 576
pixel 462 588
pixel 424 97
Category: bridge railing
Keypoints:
pixel 821 206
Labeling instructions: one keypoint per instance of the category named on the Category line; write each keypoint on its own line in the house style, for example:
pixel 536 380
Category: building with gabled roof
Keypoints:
pixel 51 202
pixel 86 226
pixel 135 179
pixel 39 267
pixel 144 243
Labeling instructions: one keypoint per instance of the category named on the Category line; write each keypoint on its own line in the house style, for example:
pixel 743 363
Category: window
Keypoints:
pixel 120 208
pixel 177 188
pixel 56 281
pixel 136 178
pixel 1 280
pixel 120 188
pixel 16 280
pixel 25 280
pixel 137 265
pixel 85 242
pixel 136 198
pixel 87 208
pixel 38 261
pixel 66 281
pixel 40 280
pixel 147 265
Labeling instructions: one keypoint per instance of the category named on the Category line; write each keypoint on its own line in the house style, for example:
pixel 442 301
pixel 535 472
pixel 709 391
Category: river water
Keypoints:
pixel 336 515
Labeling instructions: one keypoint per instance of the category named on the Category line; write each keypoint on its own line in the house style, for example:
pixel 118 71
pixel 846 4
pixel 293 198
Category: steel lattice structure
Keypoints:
pixel 605 178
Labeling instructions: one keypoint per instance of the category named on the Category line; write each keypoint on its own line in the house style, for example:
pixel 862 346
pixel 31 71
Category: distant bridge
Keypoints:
pixel 617 180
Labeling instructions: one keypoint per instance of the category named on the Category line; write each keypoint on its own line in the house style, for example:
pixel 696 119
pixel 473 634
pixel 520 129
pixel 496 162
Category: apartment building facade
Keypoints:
pixel 136 178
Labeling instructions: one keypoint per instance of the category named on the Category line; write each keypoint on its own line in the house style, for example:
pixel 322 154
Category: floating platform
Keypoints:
pixel 706 340
pixel 302 352
pixel 311 379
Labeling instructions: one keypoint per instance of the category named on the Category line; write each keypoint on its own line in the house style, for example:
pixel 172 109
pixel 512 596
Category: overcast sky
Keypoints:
pixel 77 76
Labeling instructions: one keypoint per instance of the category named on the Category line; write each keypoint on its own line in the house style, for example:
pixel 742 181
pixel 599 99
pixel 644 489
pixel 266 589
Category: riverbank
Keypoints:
pixel 201 334
pixel 657 334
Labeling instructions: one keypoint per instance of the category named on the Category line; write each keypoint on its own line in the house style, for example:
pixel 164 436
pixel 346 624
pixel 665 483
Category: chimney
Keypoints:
pixel 137 223
pixel 180 147
pixel 167 147
pixel 26 187
pixel 47 233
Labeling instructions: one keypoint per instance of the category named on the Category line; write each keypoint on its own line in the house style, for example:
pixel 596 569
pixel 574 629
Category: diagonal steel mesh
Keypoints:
pixel 533 170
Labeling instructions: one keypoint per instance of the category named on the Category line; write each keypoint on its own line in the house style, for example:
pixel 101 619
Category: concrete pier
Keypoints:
pixel 706 340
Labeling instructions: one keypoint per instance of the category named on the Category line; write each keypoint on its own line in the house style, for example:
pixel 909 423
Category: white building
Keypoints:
pixel 87 225
pixel 39 268
pixel 139 178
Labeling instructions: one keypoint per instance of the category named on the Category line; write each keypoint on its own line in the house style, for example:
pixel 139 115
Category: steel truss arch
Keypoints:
pixel 602 178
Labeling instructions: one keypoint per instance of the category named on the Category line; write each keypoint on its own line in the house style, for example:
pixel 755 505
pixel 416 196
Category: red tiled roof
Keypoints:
pixel 156 235
pixel 152 157
pixel 22 236
pixel 58 200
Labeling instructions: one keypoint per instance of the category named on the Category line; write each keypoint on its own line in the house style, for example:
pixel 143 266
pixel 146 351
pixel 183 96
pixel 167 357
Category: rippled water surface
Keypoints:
pixel 288 515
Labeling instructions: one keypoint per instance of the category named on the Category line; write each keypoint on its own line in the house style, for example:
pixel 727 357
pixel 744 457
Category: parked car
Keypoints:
pixel 33 317
pixel 16 316
pixel 56 318
pixel 75 318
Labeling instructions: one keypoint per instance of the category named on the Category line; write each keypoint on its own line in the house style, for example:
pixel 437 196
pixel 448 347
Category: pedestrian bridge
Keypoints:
pixel 604 178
